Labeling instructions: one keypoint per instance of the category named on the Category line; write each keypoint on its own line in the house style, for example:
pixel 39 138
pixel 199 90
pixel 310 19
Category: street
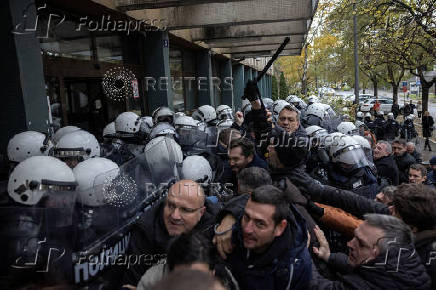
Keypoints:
pixel 388 94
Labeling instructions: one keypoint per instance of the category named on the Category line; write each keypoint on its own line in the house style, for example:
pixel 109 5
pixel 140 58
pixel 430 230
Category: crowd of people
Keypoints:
pixel 279 195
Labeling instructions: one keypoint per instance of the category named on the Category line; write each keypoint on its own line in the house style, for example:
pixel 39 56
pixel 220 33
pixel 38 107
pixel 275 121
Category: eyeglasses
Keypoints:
pixel 184 211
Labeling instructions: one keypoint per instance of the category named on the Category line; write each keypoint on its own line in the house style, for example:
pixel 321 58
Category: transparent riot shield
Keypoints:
pixel 212 136
pixel 164 160
pixel 37 242
pixel 192 140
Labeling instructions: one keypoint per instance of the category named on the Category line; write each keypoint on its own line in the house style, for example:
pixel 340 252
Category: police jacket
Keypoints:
pixel 150 239
pixel 361 181
pixel 399 268
pixel 403 163
pixel 408 130
pixel 380 125
pixel 387 168
pixel 395 109
pixel 286 264
pixel 391 130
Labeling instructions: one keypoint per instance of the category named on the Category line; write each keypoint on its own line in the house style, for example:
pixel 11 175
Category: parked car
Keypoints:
pixel 326 91
pixel 385 105
pixel 364 97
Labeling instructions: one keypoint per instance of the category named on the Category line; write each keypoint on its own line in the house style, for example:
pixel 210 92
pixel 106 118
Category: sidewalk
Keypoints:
pixel 425 154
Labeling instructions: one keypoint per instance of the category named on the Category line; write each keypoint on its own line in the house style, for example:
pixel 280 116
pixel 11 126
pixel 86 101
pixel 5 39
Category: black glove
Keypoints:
pixel 251 91
pixel 314 210
pixel 305 183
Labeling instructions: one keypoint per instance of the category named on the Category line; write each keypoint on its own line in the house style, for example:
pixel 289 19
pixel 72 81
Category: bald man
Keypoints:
pixel 185 209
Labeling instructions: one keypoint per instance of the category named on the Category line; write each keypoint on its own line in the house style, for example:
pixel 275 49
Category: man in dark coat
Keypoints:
pixel 407 110
pixel 385 163
pixel 270 244
pixel 427 129
pixel 412 203
pixel 403 159
pixel 411 149
pixel 184 210
pixel 381 256
pixel 380 125
pixel 242 154
pixel 408 130
pixel 392 128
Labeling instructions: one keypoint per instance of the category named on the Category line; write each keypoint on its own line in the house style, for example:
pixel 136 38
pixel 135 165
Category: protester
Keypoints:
pixel 184 210
pixel 417 174
pixel 427 129
pixel 385 162
pixel 411 149
pixel 381 256
pixel 403 159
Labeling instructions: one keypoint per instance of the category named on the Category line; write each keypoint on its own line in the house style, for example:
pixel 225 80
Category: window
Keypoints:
pixel 109 48
pixel 176 71
pixel 65 41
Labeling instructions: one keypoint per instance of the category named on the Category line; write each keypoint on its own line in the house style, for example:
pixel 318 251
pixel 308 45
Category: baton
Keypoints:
pixel 273 58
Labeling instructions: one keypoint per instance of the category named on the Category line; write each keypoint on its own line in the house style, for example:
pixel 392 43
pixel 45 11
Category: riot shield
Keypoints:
pixel 37 242
pixel 106 230
pixel 212 136
pixel 331 124
pixel 192 140
pixel 164 161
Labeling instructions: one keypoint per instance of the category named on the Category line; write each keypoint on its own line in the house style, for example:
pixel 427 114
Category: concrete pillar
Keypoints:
pixel 238 85
pixel 204 76
pixel 158 87
pixel 264 90
pixel 226 86
pixel 190 83
pixel 248 74
pixel 24 104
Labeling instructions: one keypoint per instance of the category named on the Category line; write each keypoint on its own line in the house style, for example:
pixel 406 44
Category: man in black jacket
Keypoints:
pixel 270 244
pixel 184 210
pixel 403 159
pixel 411 149
pixel 385 163
pixel 392 128
pixel 380 125
pixel 242 154
pixel 381 256
pixel 412 203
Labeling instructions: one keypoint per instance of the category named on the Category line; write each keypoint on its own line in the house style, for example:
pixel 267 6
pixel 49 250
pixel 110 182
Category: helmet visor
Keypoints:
pixel 352 156
pixel 225 115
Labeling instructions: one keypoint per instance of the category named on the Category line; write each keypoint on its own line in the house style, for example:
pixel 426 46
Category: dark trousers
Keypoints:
pixel 427 143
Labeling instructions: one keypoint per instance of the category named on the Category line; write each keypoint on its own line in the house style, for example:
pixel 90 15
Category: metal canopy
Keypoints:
pixel 229 13
pixel 245 28
pixel 128 5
